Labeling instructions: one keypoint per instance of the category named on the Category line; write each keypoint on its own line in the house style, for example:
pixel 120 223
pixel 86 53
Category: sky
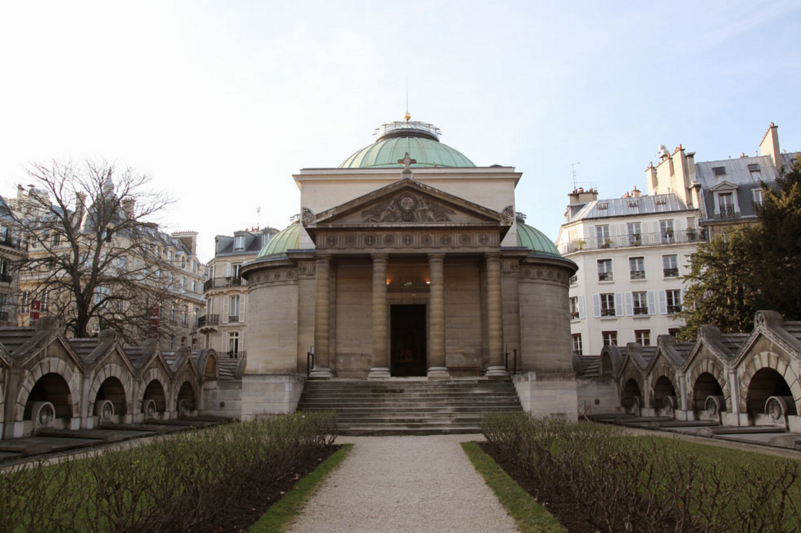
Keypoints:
pixel 221 102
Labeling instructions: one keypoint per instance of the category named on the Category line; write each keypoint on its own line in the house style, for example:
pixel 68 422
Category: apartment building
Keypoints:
pixel 631 252
pixel 223 326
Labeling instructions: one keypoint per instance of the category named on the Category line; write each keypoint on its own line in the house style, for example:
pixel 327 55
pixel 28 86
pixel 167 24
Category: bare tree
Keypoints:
pixel 94 255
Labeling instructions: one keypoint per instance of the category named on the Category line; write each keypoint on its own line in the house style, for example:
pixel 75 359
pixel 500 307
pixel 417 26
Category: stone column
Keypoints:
pixel 496 366
pixel 380 366
pixel 436 318
pixel 322 341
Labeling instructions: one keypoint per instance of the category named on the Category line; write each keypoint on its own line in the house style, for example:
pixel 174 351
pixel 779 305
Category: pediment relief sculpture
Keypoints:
pixel 408 207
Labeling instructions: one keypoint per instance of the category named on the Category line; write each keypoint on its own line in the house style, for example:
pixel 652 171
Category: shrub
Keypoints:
pixel 175 483
pixel 641 484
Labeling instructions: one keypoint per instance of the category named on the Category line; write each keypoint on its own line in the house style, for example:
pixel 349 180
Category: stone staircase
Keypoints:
pixel 409 406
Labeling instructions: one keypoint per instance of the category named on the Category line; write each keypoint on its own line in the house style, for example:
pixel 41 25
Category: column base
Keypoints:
pixel 438 372
pixel 378 372
pixel 321 373
pixel 496 372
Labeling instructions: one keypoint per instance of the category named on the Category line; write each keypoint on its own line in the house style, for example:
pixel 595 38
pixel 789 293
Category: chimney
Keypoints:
pixel 770 145
pixel 128 206
pixel 636 193
pixel 582 196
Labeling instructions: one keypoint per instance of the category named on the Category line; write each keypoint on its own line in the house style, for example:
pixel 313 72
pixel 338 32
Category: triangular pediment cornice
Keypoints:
pixel 724 186
pixel 407 203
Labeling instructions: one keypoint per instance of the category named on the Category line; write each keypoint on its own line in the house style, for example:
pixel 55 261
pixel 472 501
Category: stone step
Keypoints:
pixel 415 407
pixel 376 431
pixel 404 403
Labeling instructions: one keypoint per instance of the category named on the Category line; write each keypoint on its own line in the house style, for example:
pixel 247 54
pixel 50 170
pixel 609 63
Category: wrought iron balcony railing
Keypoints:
pixel 727 211
pixel 208 320
pixel 221 283
pixel 642 310
pixel 608 312
pixel 673 309
pixel 671 272
pixel 659 238
pixel 605 276
pixel 638 274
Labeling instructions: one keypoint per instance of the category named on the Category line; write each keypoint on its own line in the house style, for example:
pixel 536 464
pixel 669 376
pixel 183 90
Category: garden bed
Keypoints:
pixel 215 480
pixel 596 478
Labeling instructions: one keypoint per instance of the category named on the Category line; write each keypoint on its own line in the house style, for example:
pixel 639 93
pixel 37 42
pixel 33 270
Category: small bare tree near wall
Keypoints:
pixel 94 255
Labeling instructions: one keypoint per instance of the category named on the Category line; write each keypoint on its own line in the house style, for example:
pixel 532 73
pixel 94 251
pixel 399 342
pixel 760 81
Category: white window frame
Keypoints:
pixel 638 259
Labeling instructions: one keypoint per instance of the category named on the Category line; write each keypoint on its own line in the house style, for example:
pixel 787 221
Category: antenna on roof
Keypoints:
pixel 407 116
pixel 258 217
pixel 573 172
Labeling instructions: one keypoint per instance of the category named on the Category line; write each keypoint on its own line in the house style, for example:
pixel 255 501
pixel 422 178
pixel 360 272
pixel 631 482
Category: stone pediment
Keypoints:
pixel 406 203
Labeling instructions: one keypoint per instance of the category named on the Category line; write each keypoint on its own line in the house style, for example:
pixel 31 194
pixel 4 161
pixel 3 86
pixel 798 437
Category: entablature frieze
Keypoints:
pixel 384 241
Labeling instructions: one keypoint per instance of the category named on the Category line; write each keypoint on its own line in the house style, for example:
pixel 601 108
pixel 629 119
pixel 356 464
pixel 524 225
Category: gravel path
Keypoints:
pixel 405 484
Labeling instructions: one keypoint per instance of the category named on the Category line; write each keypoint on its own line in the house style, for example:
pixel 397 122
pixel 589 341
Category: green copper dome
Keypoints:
pixel 386 153
pixel 286 239
pixel 395 139
pixel 535 240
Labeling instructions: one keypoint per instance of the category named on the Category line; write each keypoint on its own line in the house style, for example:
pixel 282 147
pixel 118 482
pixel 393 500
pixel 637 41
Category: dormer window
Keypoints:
pixel 661 200
pixel 603 205
pixel 719 171
pixel 753 167
pixel 239 242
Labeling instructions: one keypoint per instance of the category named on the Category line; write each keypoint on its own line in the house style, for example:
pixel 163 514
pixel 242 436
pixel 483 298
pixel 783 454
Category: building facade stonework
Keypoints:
pixel 408 261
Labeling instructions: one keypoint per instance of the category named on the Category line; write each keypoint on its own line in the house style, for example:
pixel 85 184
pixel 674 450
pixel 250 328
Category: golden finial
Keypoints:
pixel 407 116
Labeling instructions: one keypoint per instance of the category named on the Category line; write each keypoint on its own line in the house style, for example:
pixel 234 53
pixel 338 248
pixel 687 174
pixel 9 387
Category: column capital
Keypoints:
pixel 379 257
pixel 436 257
pixel 492 256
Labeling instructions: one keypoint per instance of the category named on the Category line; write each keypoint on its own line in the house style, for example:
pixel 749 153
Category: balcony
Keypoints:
pixel 233 319
pixel 727 211
pixel 642 310
pixel 221 283
pixel 659 238
pixel 605 276
pixel 671 272
pixel 13 242
pixel 233 355
pixel 208 320
pixel 608 312
pixel 638 274
pixel 673 309
pixel 6 278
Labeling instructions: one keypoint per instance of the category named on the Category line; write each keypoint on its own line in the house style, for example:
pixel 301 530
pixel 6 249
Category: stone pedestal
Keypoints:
pixel 549 395
pixel 436 318
pixel 269 394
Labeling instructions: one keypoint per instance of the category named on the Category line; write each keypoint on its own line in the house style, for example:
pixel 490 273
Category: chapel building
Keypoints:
pixel 408 261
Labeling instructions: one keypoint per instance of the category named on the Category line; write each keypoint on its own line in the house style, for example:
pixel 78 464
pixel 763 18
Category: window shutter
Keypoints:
pixel 629 304
pixel 581 307
pixel 651 303
pixel 224 317
pixel 662 303
pixel 683 292
pixel 618 304
pixel 227 270
pixel 242 304
pixel 596 305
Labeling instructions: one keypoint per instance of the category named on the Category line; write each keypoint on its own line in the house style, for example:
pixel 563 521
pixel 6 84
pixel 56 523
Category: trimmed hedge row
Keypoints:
pixel 175 483
pixel 645 484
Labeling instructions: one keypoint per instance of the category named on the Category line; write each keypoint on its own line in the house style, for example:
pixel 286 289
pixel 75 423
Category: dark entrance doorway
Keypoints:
pixel 408 340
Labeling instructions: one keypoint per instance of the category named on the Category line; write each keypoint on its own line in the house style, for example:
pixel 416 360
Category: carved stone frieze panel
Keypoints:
pixel 463 239
pixel 407 206
pixel 543 273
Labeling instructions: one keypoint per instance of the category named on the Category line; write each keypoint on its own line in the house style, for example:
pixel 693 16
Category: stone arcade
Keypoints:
pixel 408 260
